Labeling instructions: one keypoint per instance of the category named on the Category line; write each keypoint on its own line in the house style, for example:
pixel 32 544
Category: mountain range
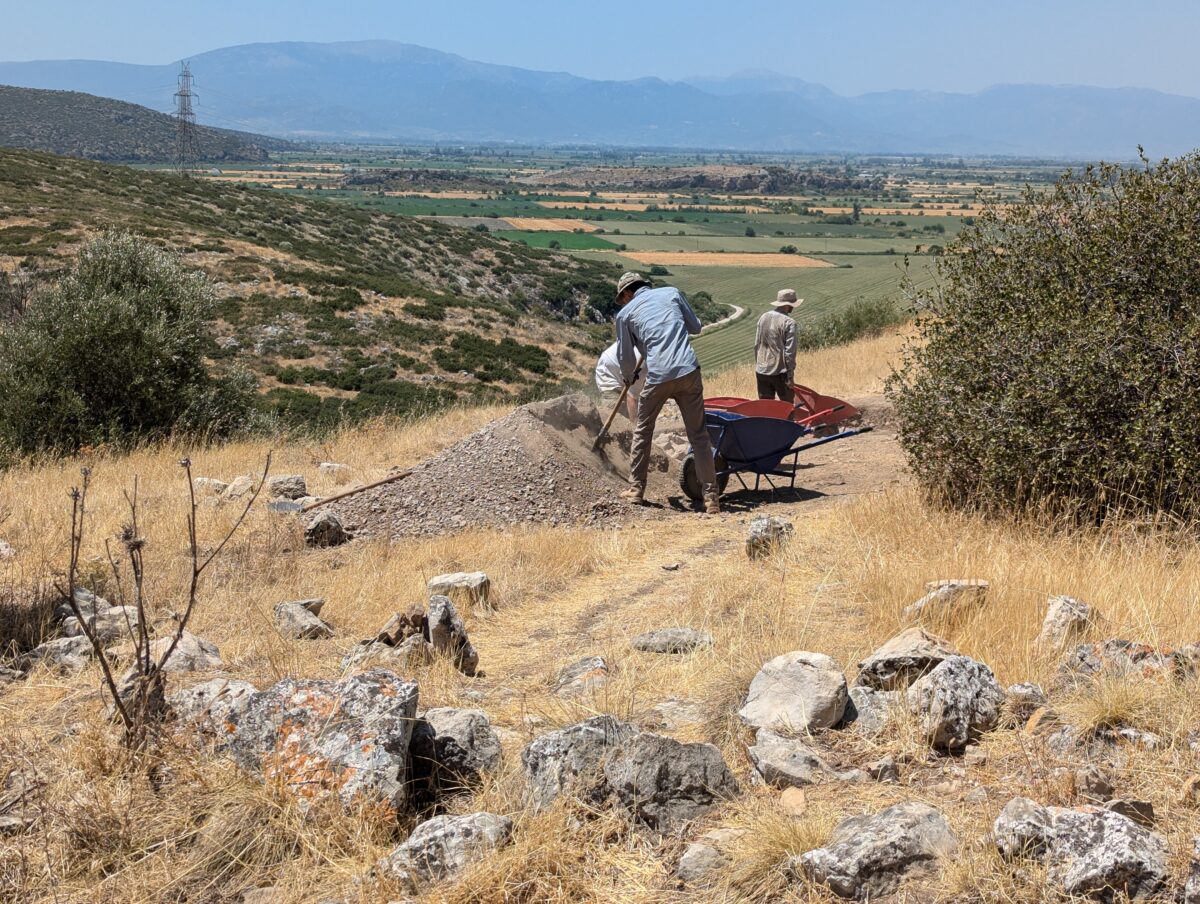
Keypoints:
pixel 388 91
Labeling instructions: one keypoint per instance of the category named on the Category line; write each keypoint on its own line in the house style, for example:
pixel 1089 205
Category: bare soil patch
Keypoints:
pixel 724 259
pixel 548 224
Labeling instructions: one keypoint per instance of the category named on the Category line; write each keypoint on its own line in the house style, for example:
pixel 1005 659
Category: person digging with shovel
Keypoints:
pixel 655 324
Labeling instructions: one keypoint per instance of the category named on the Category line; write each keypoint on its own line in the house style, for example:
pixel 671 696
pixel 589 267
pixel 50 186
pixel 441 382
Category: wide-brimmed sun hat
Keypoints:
pixel 629 280
pixel 786 298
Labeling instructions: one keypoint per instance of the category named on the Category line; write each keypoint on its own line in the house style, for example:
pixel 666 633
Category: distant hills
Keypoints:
pixel 384 90
pixel 98 128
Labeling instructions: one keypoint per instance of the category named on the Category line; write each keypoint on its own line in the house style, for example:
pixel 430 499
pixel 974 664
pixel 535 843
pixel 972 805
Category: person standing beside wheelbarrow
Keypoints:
pixel 775 348
pixel 656 324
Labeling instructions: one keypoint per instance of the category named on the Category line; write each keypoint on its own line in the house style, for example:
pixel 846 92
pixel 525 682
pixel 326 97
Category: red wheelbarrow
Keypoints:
pixel 808 406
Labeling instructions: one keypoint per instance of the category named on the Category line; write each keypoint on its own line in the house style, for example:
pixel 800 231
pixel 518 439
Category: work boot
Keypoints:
pixel 712 506
pixel 632 495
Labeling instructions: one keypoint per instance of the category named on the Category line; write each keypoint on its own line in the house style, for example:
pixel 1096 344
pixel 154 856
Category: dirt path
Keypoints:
pixel 736 315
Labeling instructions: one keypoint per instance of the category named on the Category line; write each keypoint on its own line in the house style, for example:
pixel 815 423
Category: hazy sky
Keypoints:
pixel 850 46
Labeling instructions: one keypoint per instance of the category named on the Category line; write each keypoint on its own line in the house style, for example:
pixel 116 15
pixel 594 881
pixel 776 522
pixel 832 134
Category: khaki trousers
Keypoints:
pixel 688 393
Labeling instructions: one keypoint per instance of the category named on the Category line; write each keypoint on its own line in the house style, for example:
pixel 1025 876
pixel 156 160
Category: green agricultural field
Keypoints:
pixel 823 291
pixel 568 241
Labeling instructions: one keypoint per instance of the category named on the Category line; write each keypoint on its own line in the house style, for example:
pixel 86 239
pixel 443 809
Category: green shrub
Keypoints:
pixel 862 318
pixel 114 353
pixel 1057 369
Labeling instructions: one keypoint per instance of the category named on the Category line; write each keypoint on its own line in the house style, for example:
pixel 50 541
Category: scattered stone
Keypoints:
pixel 87 601
pixel 63 654
pixel 665 784
pixel 1089 851
pixel 1091 784
pixel 903 659
pixel 9 676
pixel 109 625
pixel 976 796
pixel 1190 792
pixel 793 802
pixel 1140 811
pixel 766 536
pixel 448 635
pixel 325 529
pixel 672 566
pixel 672 640
pixel 451 750
pixel 947 599
pixel 796 692
pixel 786 762
pixel 333 468
pixel 404 624
pixel 956 702
pixel 582 676
pixel 974 757
pixel 569 761
pixel 1066 620
pixel 884 770
pixel 1113 659
pixel 209 486
pixel 299 620
pixel 868 711
pixel 1043 721
pixel 318 738
pixel 287 486
pixel 1021 701
pixel 470 589
pixel 1147 740
pixel 210 708
pixel 145 690
pixel 707 857
pixel 1191 888
pixel 674 715
pixel 6 550
pixel 270 894
pixel 443 846
pixel 191 654
pixel 237 488
pixel 868 856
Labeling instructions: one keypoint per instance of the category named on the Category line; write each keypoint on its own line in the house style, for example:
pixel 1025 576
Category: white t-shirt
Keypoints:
pixel 608 373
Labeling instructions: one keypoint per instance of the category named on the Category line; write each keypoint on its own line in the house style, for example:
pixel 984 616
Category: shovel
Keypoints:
pixel 617 407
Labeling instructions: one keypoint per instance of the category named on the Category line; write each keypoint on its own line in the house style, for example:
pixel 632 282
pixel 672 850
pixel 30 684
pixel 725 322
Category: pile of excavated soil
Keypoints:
pixel 535 466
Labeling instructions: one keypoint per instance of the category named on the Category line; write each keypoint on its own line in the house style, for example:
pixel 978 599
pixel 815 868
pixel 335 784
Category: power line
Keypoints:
pixel 186 150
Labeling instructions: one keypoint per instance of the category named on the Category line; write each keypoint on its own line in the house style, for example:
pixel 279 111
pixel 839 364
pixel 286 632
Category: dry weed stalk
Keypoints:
pixel 138 698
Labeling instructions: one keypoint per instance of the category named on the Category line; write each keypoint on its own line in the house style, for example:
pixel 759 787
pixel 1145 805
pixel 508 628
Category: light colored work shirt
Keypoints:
pixel 775 344
pixel 608 373
pixel 657 323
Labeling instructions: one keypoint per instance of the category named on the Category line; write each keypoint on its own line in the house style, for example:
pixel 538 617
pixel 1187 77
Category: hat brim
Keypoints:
pixel 787 304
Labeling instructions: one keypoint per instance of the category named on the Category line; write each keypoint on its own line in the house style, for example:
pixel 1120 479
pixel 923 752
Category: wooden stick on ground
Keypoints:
pixel 369 486
pixel 611 417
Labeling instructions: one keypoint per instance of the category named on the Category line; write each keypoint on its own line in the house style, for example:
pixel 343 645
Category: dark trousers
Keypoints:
pixel 772 386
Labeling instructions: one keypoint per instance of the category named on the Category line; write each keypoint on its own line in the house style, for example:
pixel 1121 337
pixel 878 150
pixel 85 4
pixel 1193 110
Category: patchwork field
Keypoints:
pixel 722 259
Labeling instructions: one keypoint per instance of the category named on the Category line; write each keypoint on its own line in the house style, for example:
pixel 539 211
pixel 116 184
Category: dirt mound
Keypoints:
pixel 534 466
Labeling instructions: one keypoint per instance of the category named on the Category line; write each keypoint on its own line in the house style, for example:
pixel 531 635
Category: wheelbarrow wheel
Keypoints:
pixel 689 482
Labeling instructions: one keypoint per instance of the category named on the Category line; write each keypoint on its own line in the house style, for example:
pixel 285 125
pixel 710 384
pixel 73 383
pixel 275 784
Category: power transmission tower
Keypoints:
pixel 186 149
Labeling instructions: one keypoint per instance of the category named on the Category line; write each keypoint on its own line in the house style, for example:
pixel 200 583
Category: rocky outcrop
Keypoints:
pixel 63 654
pixel 869 711
pixel 798 692
pixel 582 676
pixel 300 620
pixel 956 702
pixel 570 761
pixel 191 654
pixel 452 750
pixel 903 659
pixel 869 856
pixel 107 625
pixel 212 708
pixel 443 846
pixel 287 486
pixel 447 635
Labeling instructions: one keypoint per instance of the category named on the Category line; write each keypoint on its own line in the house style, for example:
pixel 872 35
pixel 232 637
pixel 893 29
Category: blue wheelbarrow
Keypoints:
pixel 753 445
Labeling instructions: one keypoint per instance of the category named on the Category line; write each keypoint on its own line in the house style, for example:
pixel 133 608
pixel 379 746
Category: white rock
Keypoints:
pixel 471 589
pixel 1066 620
pixel 944 599
pixel 796 692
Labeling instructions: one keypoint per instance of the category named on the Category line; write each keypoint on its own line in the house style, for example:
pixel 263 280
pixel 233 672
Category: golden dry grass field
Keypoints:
pixel 195 829
pixel 724 259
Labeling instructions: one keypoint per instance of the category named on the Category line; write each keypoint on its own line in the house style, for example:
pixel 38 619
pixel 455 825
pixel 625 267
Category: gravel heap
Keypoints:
pixel 534 466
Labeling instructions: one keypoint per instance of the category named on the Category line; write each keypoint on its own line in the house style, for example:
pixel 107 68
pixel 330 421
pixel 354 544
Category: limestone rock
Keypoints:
pixel 1021 701
pixel 1091 784
pixel 209 486
pixel 1066 619
pixel 708 856
pixel 414 651
pixel 1089 852
pixel 798 692
pixel 448 635
pixel 868 856
pixel 1191 888
pixel 237 488
pixel 664 784
pixel 947 599
pixel 903 659
pixel 191 654
pixel 287 486
pixel 320 738
pixel 443 846
pixel 403 625
pixel 570 760
pixel 88 602
pixel 6 550
pixel 672 640
pixel 672 715
pixel 469 589
pixel 1113 659
pixel 582 676
pixel 299 620
pixel 63 654
pixel 109 625
pixel 956 702
pixel 868 711
pixel 210 708
pixel 325 529
pixel 1140 811
pixel 793 802
pixel 767 535
pixel 451 750
pixel 333 469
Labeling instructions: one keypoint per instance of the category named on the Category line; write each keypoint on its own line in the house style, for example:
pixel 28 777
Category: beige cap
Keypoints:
pixel 786 298
pixel 629 280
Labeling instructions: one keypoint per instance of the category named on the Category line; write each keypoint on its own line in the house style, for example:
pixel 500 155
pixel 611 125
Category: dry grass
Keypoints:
pixel 191 828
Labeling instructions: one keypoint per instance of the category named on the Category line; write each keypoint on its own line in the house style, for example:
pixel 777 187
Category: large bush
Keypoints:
pixel 1058 366
pixel 114 353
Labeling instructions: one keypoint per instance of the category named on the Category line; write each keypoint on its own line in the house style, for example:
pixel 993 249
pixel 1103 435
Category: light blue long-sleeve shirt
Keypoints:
pixel 657 323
